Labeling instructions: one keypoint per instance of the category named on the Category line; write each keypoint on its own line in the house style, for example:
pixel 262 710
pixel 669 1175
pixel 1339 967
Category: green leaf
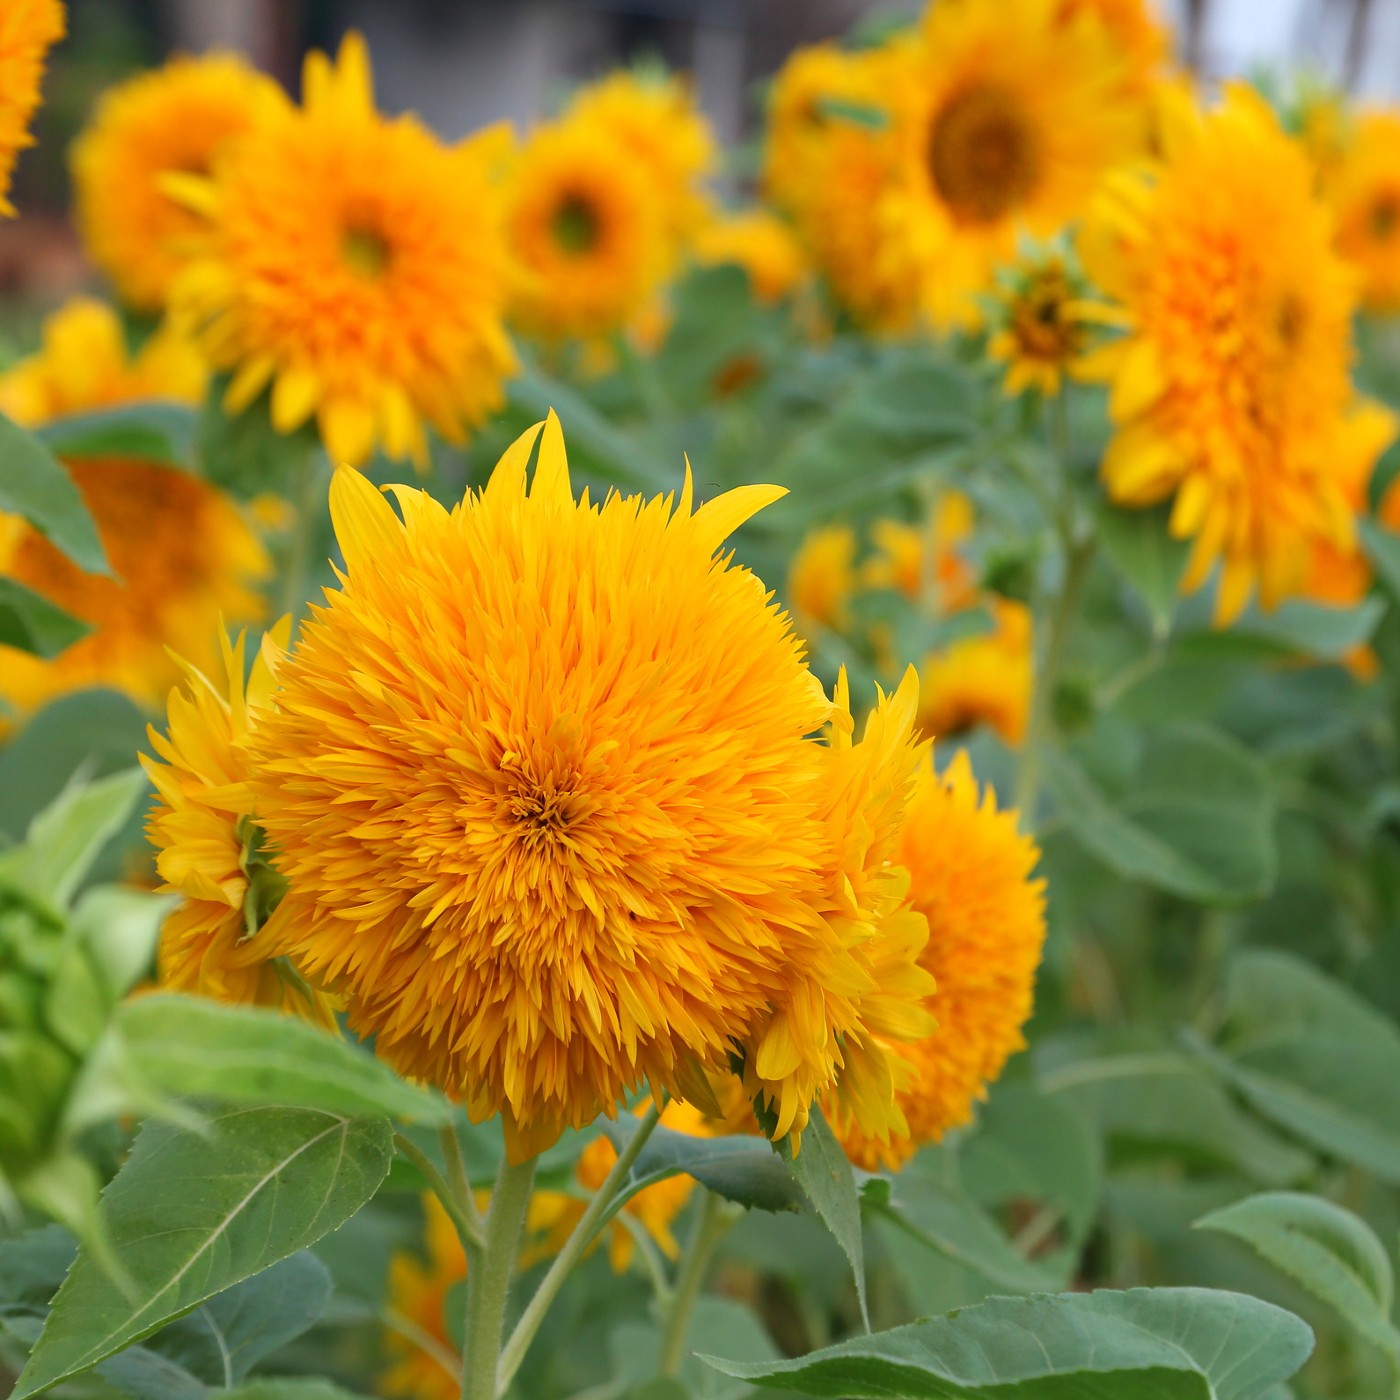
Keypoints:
pixel 289 1388
pixel 154 431
pixel 1383 549
pixel 197 1048
pixel 139 1372
pixel 1152 1344
pixel 33 1265
pixel 1313 1057
pixel 34 485
pixel 1331 1252
pixel 1146 556
pixel 29 622
pixel 635 1349
pixel 1194 816
pixel 827 1179
pixel 1315 629
pixel 189 1215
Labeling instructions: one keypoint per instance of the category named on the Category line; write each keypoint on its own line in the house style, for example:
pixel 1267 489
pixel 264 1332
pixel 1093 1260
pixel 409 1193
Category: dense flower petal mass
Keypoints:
pixel 28 29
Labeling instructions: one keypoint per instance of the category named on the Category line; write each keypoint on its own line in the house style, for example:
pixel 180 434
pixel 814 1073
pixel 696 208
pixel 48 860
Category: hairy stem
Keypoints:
pixel 468 1226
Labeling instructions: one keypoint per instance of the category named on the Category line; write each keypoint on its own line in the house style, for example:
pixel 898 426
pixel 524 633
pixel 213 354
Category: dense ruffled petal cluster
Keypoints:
pixel 1231 388
pixel 180 119
pixel 355 265
pixel 28 30
pixel 970 875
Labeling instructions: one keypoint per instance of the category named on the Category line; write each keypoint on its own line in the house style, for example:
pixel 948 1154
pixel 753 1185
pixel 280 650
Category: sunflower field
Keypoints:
pixel 615 792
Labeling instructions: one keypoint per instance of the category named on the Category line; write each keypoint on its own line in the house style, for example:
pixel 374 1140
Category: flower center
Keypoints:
pixel 364 251
pixel 1039 323
pixel 1385 214
pixel 982 155
pixel 575 225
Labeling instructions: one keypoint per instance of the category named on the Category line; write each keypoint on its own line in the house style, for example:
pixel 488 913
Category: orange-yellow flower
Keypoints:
pixel 922 562
pixel 1365 193
pixel 424 1362
pixel 822 578
pixel 357 266
pixel 1139 40
pixel 83 364
pixel 760 243
pixel 178 118
pixel 969 873
pixel 983 679
pixel 1231 390
pixel 28 29
pixel 1041 328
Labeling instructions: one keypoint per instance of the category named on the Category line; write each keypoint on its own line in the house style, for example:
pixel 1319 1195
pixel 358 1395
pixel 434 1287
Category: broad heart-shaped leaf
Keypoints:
pixel 1147 1344
pixel 35 486
pixel 196 1048
pixel 29 622
pixel 191 1214
pixel 1193 816
pixel 1144 553
pixel 155 431
pixel 1314 1058
pixel 1331 1252
pixel 826 1176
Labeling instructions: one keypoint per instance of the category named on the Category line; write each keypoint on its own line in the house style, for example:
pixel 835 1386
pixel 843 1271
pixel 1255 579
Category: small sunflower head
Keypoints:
pixel 1041 324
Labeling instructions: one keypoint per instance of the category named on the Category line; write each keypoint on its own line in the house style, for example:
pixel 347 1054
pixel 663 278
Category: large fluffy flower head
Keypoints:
pixel 1016 113
pixel 1231 387
pixel 179 118
pixel 83 364
pixel 183 560
pixel 539 781
pixel 206 841
pixel 356 265
pixel 1364 191
pixel 970 875
pixel 28 29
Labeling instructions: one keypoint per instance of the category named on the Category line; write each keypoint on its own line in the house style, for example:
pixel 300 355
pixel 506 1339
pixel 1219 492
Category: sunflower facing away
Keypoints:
pixel 551 833
pixel 205 840
pixel 183 561
pixel 969 873
pixel 357 266
pixel 1364 192
pixel 179 118
pixel 28 29
pixel 1231 388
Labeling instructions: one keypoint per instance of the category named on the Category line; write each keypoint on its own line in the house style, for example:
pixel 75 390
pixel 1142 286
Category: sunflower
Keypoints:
pixel 207 844
pixel 822 578
pixel 588 232
pixel 969 873
pixel 28 29
pixel 357 266
pixel 1322 120
pixel 180 118
pixel 983 679
pixel 1365 194
pixel 1042 326
pixel 1014 117
pixel 183 559
pixel 922 562
pixel 424 1361
pixel 1139 40
pixel 1231 389
pixel 760 243
pixel 539 781
pixel 83 364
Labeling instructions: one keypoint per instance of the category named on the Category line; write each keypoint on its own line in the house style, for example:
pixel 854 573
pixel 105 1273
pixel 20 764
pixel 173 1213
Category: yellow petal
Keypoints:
pixel 365 524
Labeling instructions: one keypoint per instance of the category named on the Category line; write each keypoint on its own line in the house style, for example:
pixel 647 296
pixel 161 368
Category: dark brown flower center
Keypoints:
pixel 983 156
pixel 365 251
pixel 575 225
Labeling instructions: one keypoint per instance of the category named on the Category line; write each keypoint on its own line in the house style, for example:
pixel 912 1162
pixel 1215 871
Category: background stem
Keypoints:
pixel 710 1227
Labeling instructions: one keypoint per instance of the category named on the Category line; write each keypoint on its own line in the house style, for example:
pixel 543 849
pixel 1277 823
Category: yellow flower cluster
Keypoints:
pixel 28 29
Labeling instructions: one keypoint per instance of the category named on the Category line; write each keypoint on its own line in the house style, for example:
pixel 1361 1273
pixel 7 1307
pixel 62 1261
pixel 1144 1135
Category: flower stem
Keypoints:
pixel 468 1225
pixel 588 1226
pixel 488 1282
pixel 712 1223
pixel 458 1179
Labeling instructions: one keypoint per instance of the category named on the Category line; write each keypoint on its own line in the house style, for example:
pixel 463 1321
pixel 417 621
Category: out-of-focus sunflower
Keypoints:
pixel 587 231
pixel 540 782
pixel 183 559
pixel 178 118
pixel 1231 389
pixel 83 364
pixel 760 243
pixel 206 841
pixel 1322 119
pixel 1364 192
pixel 983 679
pixel 969 873
pixel 1042 326
pixel 28 29
pixel 424 1361
pixel 1012 119
pixel 922 562
pixel 822 578
pixel 1139 40
pixel 356 265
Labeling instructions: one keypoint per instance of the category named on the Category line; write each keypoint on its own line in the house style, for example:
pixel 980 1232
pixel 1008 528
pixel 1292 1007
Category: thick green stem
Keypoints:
pixel 711 1225
pixel 588 1226
pixel 489 1282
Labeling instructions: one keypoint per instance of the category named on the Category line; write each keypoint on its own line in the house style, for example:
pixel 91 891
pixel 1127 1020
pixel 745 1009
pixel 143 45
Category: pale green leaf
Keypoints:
pixel 35 486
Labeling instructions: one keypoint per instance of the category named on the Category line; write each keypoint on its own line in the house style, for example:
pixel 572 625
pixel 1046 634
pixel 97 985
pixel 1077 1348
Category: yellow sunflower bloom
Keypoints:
pixel 922 562
pixel 357 266
pixel 1042 328
pixel 1139 40
pixel 1231 389
pixel 539 780
pixel 183 559
pixel 178 118
pixel 1013 117
pixel 969 872
pixel 822 578
pixel 1365 194
pixel 986 679
pixel 760 243
pixel 83 364
pixel 206 845
pixel 28 30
